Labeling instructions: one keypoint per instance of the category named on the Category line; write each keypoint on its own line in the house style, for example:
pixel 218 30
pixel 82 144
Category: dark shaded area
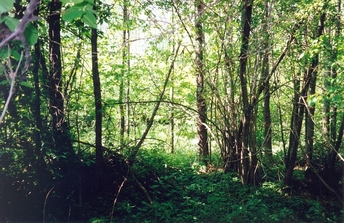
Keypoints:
pixel 179 193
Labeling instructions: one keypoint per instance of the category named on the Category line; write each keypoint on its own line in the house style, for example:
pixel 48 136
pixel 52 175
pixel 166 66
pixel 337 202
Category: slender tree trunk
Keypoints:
pixel 172 91
pixel 309 118
pixel 335 142
pixel 36 108
pixel 229 140
pixel 56 97
pixel 299 108
pixel 127 94
pixel 132 157
pixel 97 98
pixel 326 105
pixel 172 112
pixel 312 85
pixel 266 93
pixel 333 118
pixel 125 63
pixel 244 130
pixel 62 143
pixel 200 89
pixel 172 117
pixel 296 123
pixel 295 129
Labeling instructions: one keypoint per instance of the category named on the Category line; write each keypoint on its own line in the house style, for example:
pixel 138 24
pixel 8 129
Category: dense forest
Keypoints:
pixel 171 111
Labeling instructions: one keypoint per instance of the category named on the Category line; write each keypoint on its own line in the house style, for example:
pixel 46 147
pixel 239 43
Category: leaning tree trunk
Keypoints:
pixel 200 89
pixel 299 109
pixel 295 129
pixel 296 122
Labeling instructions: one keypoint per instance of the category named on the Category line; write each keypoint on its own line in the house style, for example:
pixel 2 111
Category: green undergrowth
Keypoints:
pixel 181 193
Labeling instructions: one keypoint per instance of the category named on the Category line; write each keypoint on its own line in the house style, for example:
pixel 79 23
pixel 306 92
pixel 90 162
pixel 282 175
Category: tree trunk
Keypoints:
pixel 295 129
pixel 296 122
pixel 36 107
pixel 311 108
pixel 36 111
pixel 172 124
pixel 97 98
pixel 125 70
pixel 330 165
pixel 299 108
pixel 62 145
pixel 200 90
pixel 266 93
pixel 244 130
pixel 326 105
pixel 56 97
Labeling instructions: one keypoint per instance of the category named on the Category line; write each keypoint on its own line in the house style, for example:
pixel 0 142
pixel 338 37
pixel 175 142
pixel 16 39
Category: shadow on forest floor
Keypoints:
pixel 160 190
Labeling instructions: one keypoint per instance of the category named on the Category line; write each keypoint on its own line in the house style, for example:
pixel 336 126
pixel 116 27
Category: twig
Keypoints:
pixel 144 190
pixel 46 199
pixel 115 201
pixel 12 76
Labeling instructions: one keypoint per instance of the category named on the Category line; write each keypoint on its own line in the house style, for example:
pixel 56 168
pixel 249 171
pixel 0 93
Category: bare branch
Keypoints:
pixel 18 34
pixel 12 76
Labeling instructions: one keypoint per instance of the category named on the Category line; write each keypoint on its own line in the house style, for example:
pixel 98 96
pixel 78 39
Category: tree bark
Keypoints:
pixel 125 69
pixel 330 166
pixel 97 98
pixel 62 143
pixel 295 129
pixel 200 89
pixel 311 108
pixel 244 130
pixel 266 93
pixel 56 97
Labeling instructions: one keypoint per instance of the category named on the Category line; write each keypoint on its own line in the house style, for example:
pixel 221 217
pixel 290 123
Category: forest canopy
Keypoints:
pixel 171 111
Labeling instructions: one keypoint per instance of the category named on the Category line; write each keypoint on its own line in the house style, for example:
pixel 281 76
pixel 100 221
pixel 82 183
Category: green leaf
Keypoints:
pixel 26 84
pixel 31 34
pixel 312 100
pixel 6 5
pixel 11 23
pixel 90 19
pixel 336 98
pixel 3 53
pixel 15 55
pixel 72 13
pixel 72 1
pixel 4 82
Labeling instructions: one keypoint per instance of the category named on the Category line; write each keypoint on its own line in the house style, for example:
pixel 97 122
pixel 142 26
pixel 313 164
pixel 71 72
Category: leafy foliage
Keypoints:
pixel 40 176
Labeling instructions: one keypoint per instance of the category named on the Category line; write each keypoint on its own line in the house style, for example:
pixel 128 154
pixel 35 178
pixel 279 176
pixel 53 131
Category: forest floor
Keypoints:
pixel 167 189
pixel 164 187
